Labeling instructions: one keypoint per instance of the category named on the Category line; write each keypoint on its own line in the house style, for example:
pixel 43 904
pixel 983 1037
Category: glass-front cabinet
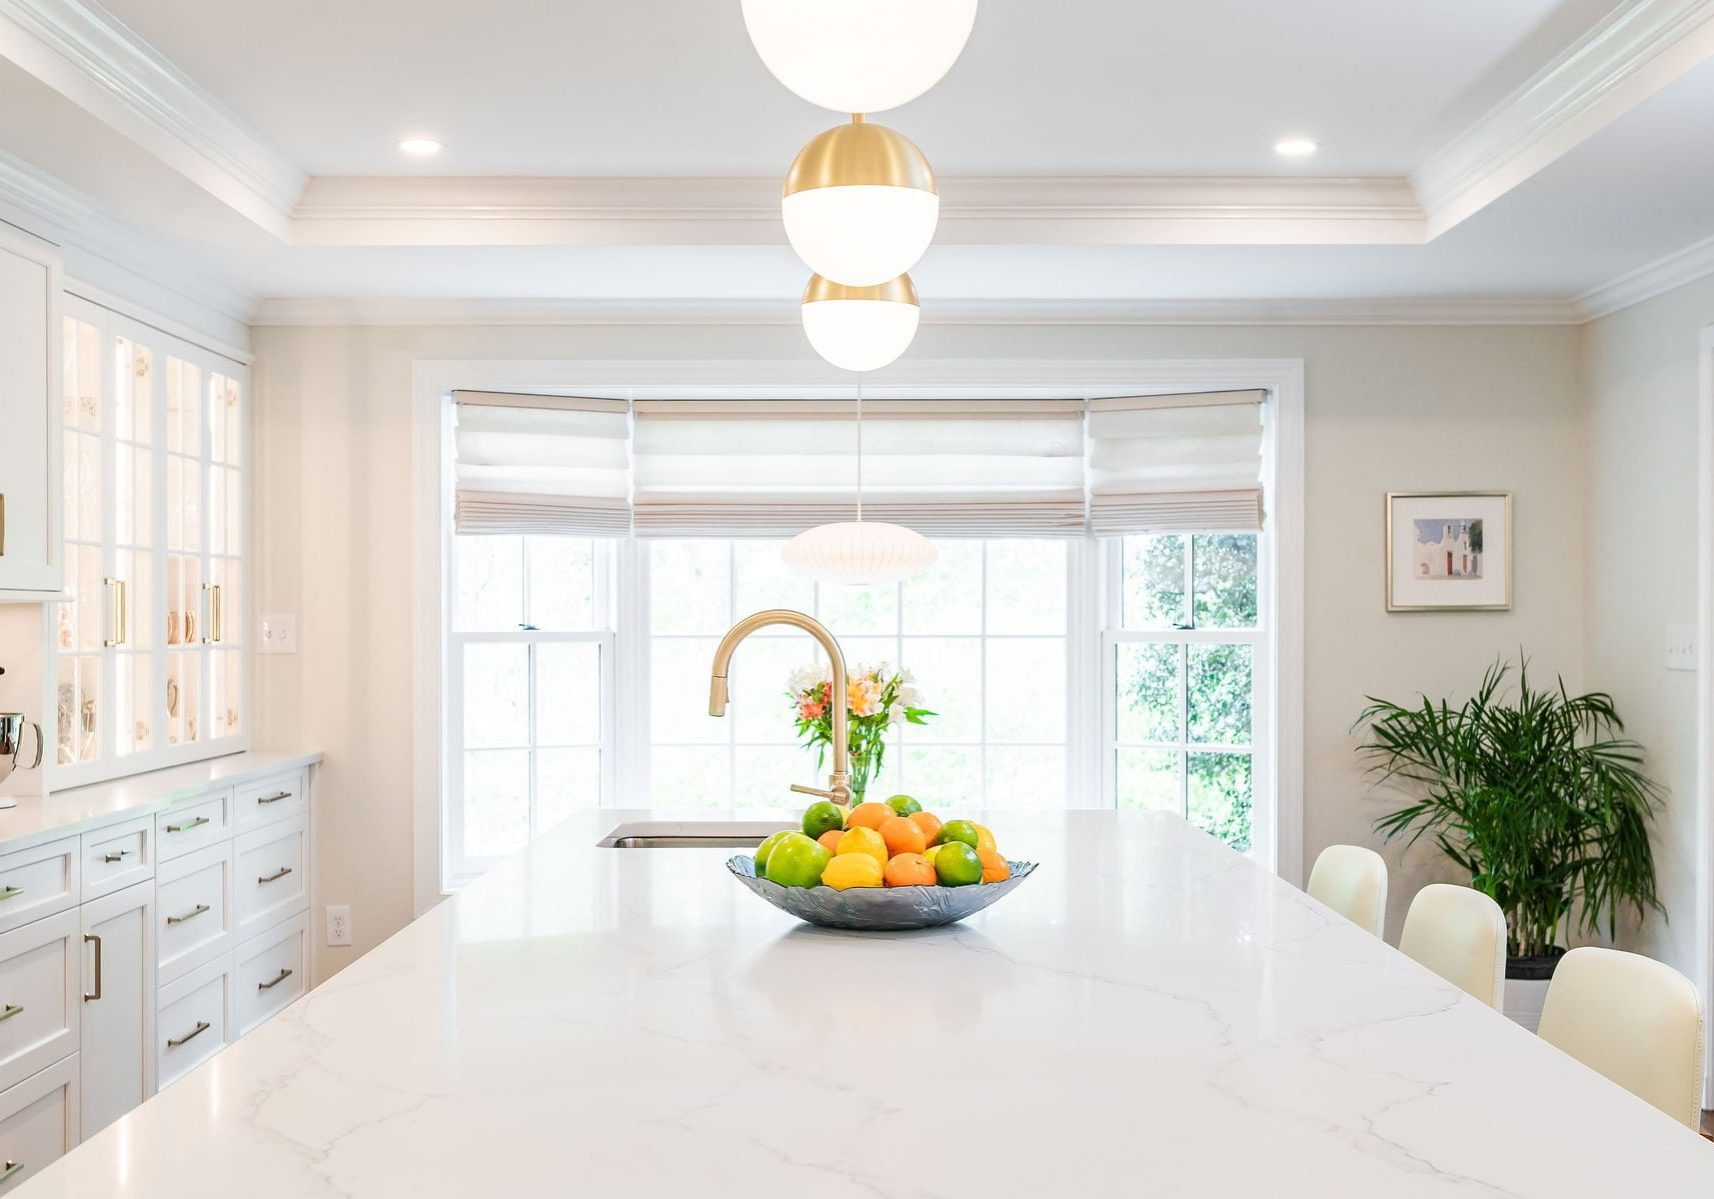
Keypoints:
pixel 150 663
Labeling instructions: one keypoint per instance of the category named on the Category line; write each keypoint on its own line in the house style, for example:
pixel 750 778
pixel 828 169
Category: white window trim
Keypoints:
pixel 1280 561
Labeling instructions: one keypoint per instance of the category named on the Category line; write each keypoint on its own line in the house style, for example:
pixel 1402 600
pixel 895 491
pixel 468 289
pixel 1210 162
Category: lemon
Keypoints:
pixel 851 870
pixel 864 841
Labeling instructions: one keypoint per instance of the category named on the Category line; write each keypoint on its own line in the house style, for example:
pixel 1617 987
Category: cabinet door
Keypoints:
pixel 30 552
pixel 118 1004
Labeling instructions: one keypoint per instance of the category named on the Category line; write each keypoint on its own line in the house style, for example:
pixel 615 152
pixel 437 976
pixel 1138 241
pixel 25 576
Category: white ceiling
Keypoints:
pixel 1083 96
pixel 672 87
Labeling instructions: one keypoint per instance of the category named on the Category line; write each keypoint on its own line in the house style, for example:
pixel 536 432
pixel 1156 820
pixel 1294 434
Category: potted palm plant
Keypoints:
pixel 1537 794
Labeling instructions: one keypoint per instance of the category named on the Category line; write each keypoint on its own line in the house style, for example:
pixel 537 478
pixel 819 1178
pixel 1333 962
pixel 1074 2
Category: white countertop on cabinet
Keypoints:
pixel 42 818
pixel 1149 1014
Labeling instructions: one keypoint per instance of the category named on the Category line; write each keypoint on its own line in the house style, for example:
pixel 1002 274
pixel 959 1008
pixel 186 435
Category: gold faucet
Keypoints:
pixel 839 783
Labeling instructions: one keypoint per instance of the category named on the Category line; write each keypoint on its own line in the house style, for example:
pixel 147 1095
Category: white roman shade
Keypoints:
pixel 541 464
pixel 772 468
pixel 1175 462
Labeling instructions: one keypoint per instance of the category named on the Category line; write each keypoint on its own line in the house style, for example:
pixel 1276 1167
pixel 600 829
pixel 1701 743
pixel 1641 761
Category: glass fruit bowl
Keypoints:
pixel 878 909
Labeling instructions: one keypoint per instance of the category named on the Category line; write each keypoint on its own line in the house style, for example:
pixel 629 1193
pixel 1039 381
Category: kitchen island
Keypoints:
pixel 1148 1014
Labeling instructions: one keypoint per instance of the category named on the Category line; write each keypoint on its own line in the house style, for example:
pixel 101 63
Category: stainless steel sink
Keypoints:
pixel 689 834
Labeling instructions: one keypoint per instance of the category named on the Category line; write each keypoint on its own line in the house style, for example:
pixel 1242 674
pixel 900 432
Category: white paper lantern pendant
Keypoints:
pixel 858 552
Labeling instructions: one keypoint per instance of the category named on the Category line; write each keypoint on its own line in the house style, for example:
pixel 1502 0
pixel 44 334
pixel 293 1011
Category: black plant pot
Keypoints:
pixel 1536 967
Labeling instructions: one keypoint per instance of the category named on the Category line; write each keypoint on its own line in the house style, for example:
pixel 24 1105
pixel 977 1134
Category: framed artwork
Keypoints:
pixel 1449 551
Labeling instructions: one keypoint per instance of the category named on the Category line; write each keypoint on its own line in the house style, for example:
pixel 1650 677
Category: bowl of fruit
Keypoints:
pixel 879 867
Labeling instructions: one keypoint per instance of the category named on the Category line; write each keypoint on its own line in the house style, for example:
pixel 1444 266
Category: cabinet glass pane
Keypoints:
pixel 221 604
pixel 133 569
pixel 77 688
pixel 184 697
pixel 134 394
pixel 225 441
pixel 184 600
pixel 226 689
pixel 133 699
pixel 184 407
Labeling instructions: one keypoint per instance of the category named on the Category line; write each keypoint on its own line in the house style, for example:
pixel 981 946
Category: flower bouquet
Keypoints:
pixel 876 699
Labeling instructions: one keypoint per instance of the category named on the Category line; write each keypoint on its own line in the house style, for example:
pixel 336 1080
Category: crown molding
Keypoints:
pixel 428 210
pixel 407 312
pixel 86 55
pixel 1694 262
pixel 1634 52
pixel 112 264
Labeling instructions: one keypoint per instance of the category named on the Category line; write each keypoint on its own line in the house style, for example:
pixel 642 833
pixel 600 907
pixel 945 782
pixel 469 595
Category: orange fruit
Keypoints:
pixel 851 870
pixel 902 836
pixel 830 839
pixel 863 840
pixel 995 869
pixel 909 870
pixel 928 822
pixel 869 815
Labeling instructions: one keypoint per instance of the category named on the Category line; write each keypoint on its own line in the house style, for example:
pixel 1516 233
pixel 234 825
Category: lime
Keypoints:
pixel 766 848
pixel 822 816
pixel 904 805
pixel 960 830
pixel 797 861
pixel 956 865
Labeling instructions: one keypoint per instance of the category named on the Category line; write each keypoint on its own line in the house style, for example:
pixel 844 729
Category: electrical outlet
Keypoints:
pixel 278 635
pixel 338 924
pixel 1680 647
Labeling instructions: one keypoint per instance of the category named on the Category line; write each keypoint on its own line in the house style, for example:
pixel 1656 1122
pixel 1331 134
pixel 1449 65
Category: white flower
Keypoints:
pixel 807 678
pixel 896 712
pixel 910 697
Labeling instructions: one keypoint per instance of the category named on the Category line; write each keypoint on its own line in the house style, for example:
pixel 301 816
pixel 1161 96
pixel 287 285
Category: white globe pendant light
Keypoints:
pixel 859 204
pixel 859 55
pixel 854 552
pixel 860 328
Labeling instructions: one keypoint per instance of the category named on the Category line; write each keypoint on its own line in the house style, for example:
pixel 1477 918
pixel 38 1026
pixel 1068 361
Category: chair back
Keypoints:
pixel 1353 882
pixel 1460 934
pixel 1636 1020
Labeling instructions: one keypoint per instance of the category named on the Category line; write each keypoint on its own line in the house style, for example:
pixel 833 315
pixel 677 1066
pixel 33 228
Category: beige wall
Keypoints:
pixel 1640 367
pixel 1388 408
pixel 21 685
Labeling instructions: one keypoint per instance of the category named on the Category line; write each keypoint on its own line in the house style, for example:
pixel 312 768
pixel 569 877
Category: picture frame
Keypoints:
pixel 1449 551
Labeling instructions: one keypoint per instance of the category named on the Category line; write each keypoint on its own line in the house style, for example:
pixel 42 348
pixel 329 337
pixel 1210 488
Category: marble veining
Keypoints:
pixel 1151 1015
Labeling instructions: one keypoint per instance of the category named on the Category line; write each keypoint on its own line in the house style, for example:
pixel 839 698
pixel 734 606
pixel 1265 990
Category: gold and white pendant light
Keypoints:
pixel 860 204
pixel 860 328
pixel 857 552
pixel 859 55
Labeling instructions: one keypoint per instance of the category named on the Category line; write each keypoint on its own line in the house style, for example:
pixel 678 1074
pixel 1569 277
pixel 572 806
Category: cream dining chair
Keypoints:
pixel 1636 1020
pixel 1460 934
pixel 1353 882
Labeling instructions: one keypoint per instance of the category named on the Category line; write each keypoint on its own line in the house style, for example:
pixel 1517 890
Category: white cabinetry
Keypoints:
pixel 31 556
pixel 118 1005
pixel 38 1122
pixel 149 654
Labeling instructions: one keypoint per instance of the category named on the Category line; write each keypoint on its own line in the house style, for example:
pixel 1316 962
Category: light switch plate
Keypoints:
pixel 278 635
pixel 1681 647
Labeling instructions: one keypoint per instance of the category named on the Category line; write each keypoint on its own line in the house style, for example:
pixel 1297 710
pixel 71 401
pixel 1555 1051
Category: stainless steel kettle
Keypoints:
pixel 12 726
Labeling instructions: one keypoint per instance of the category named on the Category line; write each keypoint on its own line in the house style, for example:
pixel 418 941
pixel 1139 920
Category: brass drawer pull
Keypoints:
pixel 12 1009
pixel 279 978
pixel 11 892
pixel 11 1168
pixel 185 826
pixel 273 798
pixel 198 910
pixel 276 876
pixel 202 1026
pixel 116 855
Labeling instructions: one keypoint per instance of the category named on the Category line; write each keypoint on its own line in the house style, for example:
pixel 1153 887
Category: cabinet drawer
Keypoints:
pixel 193 910
pixel 118 856
pixel 41 970
pixel 193 1020
pixel 38 1122
pixel 269 972
pixel 278 798
pixel 271 882
pixel 189 826
pixel 38 882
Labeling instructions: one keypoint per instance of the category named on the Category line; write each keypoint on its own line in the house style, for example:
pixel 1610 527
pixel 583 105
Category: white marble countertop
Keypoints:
pixel 44 817
pixel 1149 1014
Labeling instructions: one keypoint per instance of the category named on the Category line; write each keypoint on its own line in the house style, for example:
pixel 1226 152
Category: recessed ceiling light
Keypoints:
pixel 422 147
pixel 1295 147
